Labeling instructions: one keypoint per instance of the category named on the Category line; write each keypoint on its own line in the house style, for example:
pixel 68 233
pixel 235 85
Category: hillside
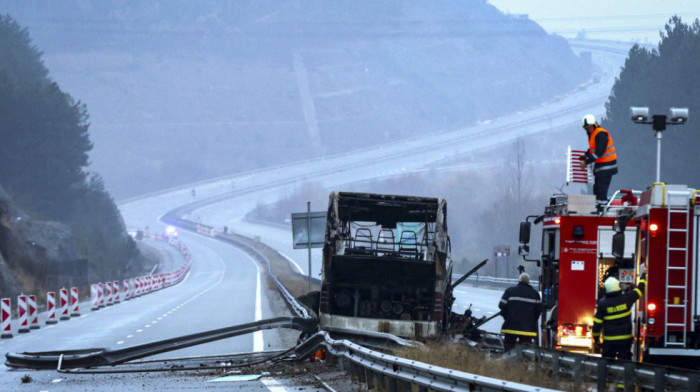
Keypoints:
pixel 193 91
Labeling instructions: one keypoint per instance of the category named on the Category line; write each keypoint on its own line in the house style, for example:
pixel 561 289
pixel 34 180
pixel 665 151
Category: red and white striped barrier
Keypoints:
pixel 22 314
pixel 574 173
pixel 127 288
pixel 63 310
pixel 74 311
pixel 5 318
pixel 108 293
pixel 138 286
pixel 115 292
pixel 101 295
pixel 94 297
pixel 32 312
pixel 51 307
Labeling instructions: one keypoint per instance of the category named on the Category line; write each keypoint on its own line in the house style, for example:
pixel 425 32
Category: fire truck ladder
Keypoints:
pixel 677 267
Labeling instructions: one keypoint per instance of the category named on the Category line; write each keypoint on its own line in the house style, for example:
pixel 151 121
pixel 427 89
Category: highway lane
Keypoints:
pixel 225 287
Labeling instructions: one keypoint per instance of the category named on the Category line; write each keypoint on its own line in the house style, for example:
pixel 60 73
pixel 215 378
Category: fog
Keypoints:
pixel 183 91
pixel 625 20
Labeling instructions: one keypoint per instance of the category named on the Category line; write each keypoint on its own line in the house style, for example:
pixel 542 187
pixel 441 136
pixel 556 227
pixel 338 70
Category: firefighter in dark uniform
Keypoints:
pixel 520 307
pixel 601 150
pixel 614 316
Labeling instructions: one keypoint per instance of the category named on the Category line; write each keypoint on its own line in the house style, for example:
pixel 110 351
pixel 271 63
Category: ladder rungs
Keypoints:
pixel 678 249
pixel 675 324
pixel 676 306
pixel 676 268
pixel 675 344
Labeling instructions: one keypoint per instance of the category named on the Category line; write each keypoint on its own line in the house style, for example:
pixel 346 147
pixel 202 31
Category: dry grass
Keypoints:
pixel 470 360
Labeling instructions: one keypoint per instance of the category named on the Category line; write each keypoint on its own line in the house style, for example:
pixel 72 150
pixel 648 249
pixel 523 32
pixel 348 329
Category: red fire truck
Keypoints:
pixel 668 317
pixel 576 258
pixel 659 229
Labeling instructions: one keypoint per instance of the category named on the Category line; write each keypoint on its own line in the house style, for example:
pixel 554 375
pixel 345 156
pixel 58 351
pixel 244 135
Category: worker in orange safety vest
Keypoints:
pixel 601 151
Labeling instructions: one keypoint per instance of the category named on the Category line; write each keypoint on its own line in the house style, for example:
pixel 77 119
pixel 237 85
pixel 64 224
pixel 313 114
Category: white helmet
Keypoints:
pixel 612 285
pixel 588 119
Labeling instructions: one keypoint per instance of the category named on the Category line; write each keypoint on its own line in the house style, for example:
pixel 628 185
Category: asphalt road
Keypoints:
pixel 224 288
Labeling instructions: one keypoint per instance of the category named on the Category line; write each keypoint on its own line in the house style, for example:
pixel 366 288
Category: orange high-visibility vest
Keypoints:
pixel 610 154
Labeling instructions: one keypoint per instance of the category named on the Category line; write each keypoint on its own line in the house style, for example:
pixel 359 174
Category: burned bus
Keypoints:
pixel 386 265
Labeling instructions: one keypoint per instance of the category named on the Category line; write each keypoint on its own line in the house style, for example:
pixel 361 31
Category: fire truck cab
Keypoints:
pixel 576 259
pixel 667 322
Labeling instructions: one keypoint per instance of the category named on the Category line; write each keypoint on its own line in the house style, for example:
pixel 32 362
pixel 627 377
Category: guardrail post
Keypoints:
pixel 693 382
pixel 578 364
pixel 660 379
pixel 392 384
pixel 380 380
pixel 629 373
pixel 403 386
pixel 555 369
pixel 369 378
pixel 361 376
pixel 353 370
pixel 602 373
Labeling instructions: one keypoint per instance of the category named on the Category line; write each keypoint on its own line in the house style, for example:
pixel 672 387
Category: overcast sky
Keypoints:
pixel 625 20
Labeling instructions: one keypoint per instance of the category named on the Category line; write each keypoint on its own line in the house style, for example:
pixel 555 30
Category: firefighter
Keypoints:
pixel 520 307
pixel 614 317
pixel 601 150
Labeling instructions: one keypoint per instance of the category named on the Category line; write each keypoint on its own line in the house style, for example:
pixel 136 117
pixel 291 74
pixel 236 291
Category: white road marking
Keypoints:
pixel 258 343
pixel 272 385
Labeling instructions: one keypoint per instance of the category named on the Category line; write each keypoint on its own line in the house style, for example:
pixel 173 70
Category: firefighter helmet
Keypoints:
pixel 612 285
pixel 588 119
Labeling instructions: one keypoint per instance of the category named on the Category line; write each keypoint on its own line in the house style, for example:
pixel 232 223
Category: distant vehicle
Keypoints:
pixel 170 232
pixel 386 265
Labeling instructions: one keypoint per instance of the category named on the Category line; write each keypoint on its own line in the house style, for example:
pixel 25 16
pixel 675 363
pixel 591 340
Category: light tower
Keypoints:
pixel 677 116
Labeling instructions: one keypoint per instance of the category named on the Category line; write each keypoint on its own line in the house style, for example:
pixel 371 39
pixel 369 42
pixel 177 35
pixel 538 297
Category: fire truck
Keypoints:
pixel 667 321
pixel 580 249
pixel 576 259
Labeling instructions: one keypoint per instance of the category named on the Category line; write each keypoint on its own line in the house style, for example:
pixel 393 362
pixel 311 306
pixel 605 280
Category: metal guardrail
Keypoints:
pixel 373 367
pixel 603 371
pixel 105 357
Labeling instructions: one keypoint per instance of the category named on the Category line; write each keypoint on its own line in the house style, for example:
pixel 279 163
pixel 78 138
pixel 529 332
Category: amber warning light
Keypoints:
pixel 653 228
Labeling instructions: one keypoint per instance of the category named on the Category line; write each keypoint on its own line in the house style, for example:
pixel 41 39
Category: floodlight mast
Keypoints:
pixel 640 115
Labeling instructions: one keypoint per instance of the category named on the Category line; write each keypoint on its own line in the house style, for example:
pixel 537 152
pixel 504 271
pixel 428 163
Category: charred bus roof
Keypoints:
pixel 391 208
